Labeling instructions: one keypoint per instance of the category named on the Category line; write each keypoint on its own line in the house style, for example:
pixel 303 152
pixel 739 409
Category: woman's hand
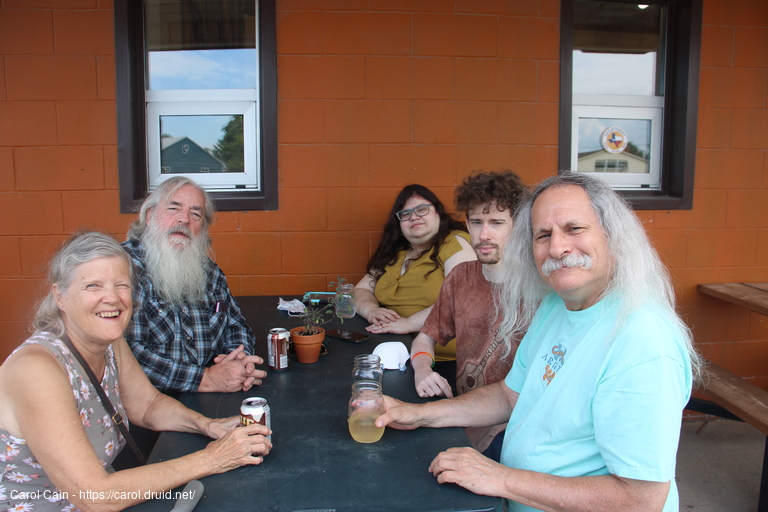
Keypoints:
pixel 403 324
pixel 218 428
pixel 399 326
pixel 381 316
pixel 239 447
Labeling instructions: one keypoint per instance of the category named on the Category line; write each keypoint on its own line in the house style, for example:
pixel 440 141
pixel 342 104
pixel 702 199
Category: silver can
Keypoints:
pixel 277 348
pixel 256 410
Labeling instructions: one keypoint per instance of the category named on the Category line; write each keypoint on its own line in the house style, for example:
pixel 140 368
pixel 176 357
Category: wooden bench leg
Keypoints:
pixel 762 504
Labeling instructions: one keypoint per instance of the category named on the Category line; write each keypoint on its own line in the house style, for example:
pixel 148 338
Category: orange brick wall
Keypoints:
pixel 373 95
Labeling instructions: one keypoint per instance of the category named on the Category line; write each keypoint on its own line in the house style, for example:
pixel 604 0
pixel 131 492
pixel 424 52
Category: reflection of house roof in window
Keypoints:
pixel 183 155
pixel 611 156
pixel 170 141
pixel 587 153
pixel 167 142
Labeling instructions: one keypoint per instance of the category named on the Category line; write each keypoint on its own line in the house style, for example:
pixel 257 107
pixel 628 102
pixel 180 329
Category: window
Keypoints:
pixel 611 166
pixel 629 96
pixel 197 96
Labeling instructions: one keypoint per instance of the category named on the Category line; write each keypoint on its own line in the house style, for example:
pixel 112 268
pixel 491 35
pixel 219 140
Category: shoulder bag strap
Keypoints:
pixel 117 418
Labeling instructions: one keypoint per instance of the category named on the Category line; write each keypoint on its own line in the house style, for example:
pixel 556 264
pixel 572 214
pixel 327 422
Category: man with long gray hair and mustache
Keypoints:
pixel 595 395
pixel 187 331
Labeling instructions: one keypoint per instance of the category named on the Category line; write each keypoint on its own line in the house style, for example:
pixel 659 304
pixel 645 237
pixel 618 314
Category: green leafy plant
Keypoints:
pixel 321 312
pixel 316 315
pixel 337 284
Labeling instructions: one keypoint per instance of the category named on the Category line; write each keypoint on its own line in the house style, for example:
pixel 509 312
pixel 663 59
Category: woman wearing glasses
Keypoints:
pixel 420 245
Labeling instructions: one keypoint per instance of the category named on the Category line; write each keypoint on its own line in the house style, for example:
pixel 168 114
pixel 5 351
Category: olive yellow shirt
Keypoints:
pixel 412 291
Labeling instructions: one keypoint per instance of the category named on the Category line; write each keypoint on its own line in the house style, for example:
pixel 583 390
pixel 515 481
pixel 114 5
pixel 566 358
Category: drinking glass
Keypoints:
pixel 367 367
pixel 345 301
pixel 365 406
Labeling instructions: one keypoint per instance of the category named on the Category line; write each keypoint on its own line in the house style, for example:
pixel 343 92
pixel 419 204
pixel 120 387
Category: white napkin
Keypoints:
pixel 393 354
pixel 292 306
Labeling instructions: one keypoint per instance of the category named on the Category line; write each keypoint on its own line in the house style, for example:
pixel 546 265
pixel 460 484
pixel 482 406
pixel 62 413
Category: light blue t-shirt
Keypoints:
pixel 596 402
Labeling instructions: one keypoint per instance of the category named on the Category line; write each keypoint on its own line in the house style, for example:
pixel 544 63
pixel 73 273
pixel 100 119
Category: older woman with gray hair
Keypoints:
pixel 58 438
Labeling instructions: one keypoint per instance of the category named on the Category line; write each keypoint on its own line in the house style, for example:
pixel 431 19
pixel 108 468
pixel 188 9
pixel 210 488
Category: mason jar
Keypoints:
pixel 345 301
pixel 367 367
pixel 365 406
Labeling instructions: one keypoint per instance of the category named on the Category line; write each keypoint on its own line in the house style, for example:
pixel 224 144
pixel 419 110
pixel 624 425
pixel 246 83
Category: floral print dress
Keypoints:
pixel 24 486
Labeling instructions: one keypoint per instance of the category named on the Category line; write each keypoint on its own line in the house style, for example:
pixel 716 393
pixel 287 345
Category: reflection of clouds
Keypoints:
pixel 589 134
pixel 203 69
pixel 613 73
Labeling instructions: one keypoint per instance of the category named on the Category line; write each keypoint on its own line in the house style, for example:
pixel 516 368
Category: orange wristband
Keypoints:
pixel 426 354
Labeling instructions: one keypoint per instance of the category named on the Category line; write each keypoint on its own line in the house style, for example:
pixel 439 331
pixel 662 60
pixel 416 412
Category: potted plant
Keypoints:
pixel 308 339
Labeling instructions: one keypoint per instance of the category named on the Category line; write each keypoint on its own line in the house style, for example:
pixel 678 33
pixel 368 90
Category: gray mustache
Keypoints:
pixel 569 261
pixel 180 228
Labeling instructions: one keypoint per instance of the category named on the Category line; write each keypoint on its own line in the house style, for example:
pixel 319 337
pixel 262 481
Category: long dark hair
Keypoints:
pixel 393 241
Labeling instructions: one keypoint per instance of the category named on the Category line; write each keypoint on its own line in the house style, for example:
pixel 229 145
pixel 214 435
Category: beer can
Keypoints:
pixel 277 348
pixel 255 410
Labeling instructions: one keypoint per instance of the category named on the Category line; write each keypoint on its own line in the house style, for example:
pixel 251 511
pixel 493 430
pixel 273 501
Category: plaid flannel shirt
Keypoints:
pixel 174 344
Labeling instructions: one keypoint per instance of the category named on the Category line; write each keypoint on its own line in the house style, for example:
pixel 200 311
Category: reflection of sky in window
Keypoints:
pixel 614 73
pixel 591 129
pixel 202 69
pixel 204 130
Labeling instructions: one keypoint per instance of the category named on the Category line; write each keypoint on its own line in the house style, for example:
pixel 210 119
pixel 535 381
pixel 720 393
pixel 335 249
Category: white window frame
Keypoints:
pixel 200 103
pixel 648 108
pixel 681 92
pixel 130 68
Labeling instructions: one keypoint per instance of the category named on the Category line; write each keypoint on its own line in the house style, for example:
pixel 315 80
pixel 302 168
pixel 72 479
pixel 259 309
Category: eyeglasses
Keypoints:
pixel 420 211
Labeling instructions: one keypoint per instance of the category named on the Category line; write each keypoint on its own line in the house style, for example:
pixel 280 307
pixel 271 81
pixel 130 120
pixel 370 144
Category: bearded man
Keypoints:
pixel 595 396
pixel 465 307
pixel 187 331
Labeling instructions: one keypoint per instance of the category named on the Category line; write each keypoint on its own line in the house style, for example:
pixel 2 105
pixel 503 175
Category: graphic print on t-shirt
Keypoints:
pixel 554 362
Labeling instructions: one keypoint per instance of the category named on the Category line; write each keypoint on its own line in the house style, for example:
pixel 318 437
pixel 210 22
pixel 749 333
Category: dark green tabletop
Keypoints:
pixel 314 464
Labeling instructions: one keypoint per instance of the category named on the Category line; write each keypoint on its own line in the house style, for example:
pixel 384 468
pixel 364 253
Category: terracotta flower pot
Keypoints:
pixel 307 348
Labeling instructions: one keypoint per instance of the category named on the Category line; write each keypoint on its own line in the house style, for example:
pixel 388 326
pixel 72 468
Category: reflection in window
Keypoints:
pixel 616 48
pixel 203 92
pixel 193 143
pixel 597 143
pixel 623 62
pixel 202 69
pixel 200 44
pixel 200 74
pixel 611 165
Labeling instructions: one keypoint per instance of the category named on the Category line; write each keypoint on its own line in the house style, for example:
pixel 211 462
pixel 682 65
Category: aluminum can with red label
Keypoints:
pixel 256 410
pixel 277 348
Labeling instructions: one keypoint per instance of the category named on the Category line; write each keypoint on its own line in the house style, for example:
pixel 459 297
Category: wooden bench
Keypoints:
pixel 733 397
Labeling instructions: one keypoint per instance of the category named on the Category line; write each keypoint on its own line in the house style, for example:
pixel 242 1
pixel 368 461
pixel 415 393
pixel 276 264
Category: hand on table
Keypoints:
pixel 382 316
pixel 399 326
pixel 235 371
pixel 469 469
pixel 399 415
pixel 219 427
pixel 239 447
pixel 430 383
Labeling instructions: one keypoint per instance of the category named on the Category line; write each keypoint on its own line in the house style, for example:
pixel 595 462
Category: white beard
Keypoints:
pixel 179 271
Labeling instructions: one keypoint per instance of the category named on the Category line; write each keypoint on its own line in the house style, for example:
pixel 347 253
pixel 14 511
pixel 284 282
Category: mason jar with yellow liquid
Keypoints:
pixel 365 406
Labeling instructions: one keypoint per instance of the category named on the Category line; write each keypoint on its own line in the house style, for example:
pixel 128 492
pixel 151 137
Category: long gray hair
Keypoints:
pixel 638 275
pixel 162 193
pixel 81 248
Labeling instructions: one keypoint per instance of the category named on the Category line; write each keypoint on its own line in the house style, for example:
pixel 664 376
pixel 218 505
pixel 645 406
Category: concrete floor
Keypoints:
pixel 719 469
